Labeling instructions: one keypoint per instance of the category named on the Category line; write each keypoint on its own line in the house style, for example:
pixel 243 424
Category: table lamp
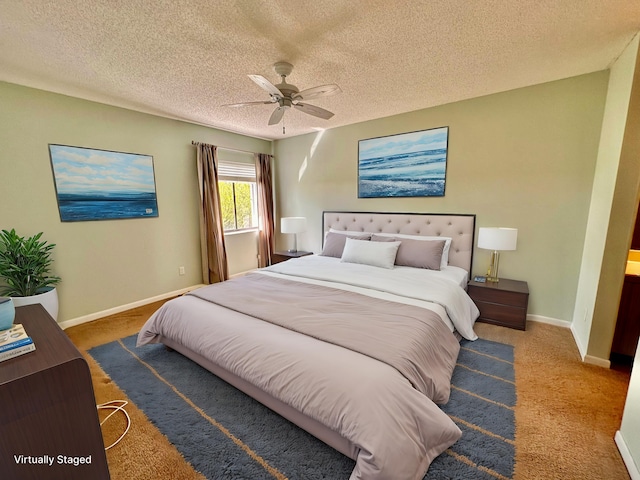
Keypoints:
pixel 293 225
pixel 496 239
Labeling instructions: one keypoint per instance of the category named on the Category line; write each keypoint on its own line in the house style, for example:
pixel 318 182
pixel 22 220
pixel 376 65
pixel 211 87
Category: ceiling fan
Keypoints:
pixel 287 95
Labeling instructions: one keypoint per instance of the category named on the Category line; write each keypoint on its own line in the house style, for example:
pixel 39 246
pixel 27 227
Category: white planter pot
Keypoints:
pixel 48 299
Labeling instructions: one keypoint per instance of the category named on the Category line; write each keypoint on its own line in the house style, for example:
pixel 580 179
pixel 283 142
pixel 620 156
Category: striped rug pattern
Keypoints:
pixel 225 434
pixel 482 403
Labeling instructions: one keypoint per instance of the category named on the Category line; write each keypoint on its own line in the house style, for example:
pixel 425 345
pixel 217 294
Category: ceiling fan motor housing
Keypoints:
pixel 285 102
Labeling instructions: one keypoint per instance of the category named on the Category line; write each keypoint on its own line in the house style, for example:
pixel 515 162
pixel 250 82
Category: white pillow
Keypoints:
pixel 376 254
pixel 447 244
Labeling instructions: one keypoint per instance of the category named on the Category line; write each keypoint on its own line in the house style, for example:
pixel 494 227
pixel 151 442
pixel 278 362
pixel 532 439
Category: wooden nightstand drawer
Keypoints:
pixel 505 315
pixel 503 303
pixel 483 294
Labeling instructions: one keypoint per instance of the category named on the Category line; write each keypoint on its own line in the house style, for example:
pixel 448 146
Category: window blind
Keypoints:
pixel 236 171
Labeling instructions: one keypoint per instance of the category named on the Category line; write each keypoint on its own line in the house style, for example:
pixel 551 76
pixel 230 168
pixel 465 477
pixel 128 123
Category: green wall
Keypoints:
pixel 105 264
pixel 524 158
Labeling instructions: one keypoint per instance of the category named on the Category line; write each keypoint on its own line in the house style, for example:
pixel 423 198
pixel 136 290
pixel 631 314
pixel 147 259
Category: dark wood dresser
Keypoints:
pixel 501 303
pixel 48 409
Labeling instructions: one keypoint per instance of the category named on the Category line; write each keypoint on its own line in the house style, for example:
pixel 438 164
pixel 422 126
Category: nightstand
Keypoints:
pixel 282 256
pixel 503 303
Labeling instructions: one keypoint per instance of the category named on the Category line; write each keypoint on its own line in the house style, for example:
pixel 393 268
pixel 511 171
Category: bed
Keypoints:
pixel 355 344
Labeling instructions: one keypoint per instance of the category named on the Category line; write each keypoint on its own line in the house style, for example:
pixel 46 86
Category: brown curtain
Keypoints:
pixel 213 251
pixel 266 238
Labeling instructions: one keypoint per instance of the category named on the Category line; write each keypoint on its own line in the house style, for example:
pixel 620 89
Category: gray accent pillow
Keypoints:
pixel 416 253
pixel 334 243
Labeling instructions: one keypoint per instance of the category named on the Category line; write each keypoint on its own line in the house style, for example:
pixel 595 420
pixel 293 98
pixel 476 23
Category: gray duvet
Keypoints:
pixel 367 368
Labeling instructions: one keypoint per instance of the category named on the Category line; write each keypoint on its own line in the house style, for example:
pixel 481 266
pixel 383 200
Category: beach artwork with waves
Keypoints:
pixel 404 165
pixel 96 184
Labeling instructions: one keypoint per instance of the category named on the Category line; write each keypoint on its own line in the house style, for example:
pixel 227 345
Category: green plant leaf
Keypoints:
pixel 25 264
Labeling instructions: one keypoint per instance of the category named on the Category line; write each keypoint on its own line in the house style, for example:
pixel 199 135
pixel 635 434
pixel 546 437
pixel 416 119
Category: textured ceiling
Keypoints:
pixel 184 59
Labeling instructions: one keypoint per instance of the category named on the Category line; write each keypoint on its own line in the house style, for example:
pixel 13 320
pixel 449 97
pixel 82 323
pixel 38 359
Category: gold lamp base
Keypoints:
pixel 492 273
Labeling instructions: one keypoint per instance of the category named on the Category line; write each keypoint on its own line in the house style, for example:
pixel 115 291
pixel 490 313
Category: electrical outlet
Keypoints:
pixel 181 270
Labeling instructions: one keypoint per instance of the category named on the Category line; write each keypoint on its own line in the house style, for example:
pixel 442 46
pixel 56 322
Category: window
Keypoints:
pixel 238 196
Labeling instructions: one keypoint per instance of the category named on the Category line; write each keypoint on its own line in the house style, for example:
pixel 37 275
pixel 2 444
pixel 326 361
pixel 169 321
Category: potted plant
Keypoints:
pixel 25 266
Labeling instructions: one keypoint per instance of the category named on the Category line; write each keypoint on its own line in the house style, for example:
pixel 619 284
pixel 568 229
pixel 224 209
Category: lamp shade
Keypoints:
pixel 293 224
pixel 497 238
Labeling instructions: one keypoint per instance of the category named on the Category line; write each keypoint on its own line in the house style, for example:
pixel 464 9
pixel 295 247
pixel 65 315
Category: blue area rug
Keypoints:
pixel 225 434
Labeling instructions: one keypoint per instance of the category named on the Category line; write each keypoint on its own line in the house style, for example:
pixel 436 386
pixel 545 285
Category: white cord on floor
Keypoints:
pixel 116 405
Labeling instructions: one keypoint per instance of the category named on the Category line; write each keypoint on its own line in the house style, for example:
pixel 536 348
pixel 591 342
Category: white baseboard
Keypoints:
pixel 597 361
pixel 632 468
pixel 112 311
pixel 586 358
pixel 581 348
pixel 548 320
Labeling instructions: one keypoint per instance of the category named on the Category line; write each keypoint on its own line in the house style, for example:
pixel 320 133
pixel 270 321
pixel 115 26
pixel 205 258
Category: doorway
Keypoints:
pixel 627 332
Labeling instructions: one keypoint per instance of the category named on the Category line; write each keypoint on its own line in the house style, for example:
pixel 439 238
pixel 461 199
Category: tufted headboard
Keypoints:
pixel 460 227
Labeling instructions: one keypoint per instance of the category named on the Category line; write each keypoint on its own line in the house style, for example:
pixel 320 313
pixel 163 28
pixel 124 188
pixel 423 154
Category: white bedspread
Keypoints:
pixel 436 290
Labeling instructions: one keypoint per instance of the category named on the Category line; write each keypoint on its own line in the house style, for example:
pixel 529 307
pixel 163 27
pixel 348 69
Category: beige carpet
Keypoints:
pixel 566 416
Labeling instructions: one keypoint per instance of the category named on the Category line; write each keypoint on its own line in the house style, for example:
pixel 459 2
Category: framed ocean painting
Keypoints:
pixel 404 165
pixel 94 184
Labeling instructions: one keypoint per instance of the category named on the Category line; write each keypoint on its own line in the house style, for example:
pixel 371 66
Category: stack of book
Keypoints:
pixel 15 342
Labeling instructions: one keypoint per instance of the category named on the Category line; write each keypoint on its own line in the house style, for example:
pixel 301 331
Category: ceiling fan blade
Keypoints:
pixel 313 110
pixel 276 116
pixel 315 92
pixel 247 104
pixel 266 84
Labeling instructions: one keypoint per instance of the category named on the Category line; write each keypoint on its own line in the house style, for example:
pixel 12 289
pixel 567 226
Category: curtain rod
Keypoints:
pixel 193 142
